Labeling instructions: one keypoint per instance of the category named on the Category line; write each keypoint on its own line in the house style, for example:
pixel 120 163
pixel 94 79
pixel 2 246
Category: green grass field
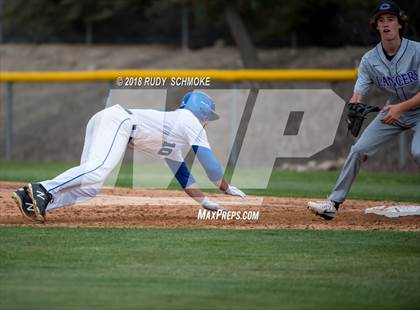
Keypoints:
pixel 59 268
pixel 86 268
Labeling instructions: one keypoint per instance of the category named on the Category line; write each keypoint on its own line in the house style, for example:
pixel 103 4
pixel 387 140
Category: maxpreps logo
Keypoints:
pixel 399 80
pixel 225 215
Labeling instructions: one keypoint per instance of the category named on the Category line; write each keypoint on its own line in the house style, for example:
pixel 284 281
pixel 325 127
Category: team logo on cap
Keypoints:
pixel 385 6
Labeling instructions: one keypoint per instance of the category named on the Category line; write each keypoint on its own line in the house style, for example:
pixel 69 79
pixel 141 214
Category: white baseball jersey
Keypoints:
pixel 163 134
pixel 398 77
pixel 166 134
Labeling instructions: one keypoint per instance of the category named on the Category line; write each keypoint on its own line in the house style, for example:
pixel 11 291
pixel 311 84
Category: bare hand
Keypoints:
pixel 356 98
pixel 393 114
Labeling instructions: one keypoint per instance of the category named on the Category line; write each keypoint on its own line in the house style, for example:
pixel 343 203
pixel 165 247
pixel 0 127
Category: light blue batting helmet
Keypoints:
pixel 200 104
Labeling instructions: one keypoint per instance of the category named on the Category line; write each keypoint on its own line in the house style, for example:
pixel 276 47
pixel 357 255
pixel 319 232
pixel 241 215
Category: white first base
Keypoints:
pixel 394 211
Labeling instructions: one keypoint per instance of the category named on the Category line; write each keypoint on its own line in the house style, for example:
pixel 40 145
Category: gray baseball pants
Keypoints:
pixel 374 136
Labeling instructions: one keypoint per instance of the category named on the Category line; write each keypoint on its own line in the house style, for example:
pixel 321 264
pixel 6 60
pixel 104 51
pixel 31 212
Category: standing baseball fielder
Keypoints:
pixel 163 134
pixel 394 67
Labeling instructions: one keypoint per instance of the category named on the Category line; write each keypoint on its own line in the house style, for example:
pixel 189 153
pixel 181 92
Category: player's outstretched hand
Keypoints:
pixel 234 191
pixel 211 205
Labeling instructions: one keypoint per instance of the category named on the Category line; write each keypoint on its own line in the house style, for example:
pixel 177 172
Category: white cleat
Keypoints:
pixel 325 209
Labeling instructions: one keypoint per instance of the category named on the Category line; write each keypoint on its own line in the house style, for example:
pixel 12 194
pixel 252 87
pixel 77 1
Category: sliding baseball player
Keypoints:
pixel 160 133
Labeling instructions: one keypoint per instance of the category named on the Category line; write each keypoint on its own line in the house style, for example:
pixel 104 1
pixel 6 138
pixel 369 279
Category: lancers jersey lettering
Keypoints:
pixel 398 77
pixel 167 134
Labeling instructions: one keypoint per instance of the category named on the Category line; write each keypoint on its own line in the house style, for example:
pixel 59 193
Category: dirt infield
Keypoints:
pixel 121 207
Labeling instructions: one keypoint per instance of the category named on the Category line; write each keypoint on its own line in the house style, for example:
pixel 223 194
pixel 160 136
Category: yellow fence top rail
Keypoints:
pixel 216 75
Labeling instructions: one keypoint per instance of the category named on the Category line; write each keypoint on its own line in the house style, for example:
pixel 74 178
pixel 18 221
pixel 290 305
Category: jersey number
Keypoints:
pixel 166 149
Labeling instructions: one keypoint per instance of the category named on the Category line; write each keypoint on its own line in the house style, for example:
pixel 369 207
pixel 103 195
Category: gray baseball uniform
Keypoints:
pixel 399 78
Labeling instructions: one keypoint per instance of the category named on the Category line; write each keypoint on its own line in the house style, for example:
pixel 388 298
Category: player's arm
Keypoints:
pixel 395 110
pixel 188 183
pixel 356 98
pixel 197 138
pixel 214 170
pixel 363 82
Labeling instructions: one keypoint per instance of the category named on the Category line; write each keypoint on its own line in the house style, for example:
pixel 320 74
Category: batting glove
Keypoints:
pixel 234 191
pixel 211 205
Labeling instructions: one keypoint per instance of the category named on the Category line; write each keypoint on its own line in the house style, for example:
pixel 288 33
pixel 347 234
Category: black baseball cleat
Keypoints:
pixel 40 199
pixel 24 203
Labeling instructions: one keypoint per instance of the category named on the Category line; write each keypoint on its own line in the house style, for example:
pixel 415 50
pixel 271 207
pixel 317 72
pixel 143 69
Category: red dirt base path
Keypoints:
pixel 121 207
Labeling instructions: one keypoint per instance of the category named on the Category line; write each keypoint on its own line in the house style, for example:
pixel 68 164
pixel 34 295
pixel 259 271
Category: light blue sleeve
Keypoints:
pixel 209 162
pixel 364 82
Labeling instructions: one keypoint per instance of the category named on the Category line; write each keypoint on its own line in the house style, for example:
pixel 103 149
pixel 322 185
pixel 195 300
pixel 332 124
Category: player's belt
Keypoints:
pixel 132 132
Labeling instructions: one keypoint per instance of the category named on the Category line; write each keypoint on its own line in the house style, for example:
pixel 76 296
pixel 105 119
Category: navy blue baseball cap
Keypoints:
pixel 387 7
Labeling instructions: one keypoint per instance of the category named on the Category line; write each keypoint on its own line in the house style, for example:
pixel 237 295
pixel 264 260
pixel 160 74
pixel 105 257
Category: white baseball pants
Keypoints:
pixel 107 136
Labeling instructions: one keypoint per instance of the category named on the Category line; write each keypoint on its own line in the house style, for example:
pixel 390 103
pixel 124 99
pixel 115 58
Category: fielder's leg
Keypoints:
pixel 413 119
pixel 415 144
pixel 374 136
